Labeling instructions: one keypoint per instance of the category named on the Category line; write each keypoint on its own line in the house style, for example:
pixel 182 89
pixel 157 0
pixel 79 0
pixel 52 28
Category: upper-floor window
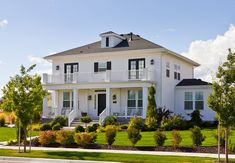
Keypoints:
pixel 188 101
pixel 70 68
pixel 199 102
pixel 102 66
pixel 136 68
pixel 177 72
pixel 107 41
pixel 167 69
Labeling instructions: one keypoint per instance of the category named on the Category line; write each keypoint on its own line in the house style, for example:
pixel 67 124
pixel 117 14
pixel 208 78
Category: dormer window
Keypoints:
pixel 107 42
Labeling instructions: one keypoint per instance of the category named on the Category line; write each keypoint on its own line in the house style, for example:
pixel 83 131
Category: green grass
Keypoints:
pixel 147 138
pixel 7 133
pixel 98 156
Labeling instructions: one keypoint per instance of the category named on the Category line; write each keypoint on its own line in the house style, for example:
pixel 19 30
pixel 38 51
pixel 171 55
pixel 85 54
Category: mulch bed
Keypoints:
pixel 210 149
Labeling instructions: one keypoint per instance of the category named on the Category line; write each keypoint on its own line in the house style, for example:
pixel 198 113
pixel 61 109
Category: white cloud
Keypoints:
pixel 3 23
pixel 211 53
pixel 43 66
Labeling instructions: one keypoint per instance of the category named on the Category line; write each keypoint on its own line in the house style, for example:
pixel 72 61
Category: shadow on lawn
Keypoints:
pixel 73 155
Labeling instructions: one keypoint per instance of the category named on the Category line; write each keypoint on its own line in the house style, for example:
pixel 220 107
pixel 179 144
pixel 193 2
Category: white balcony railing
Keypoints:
pixel 108 76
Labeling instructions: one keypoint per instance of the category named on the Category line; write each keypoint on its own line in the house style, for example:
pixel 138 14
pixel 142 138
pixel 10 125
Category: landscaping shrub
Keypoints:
pixel 85 138
pixel 110 120
pixel 162 113
pixel 36 127
pixel 2 120
pixel 47 138
pixel 86 119
pixel 90 129
pixel 196 118
pixel 45 127
pixel 56 127
pixel 176 138
pixel 62 120
pixel 110 134
pixel 136 123
pixel 124 126
pixel 196 135
pixel 100 129
pixel 159 138
pixel 65 137
pixel 231 146
pixel 96 126
pixel 35 141
pixel 79 128
pixel 133 135
pixel 175 122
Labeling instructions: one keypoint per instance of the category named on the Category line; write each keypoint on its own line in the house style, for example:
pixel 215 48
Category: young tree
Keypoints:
pixel 150 120
pixel 222 100
pixel 23 94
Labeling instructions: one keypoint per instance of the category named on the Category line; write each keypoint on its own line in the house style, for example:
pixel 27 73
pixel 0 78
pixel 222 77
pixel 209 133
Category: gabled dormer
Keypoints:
pixel 110 39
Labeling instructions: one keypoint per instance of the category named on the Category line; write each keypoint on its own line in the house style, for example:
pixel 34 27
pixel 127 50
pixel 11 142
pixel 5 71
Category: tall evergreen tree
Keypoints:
pixel 151 120
pixel 222 99
pixel 23 94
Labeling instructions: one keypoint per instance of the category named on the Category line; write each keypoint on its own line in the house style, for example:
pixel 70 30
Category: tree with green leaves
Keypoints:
pixel 151 120
pixel 222 99
pixel 23 94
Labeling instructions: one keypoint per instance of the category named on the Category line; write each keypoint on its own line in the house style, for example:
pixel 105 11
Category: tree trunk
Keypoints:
pixel 25 138
pixel 218 142
pixel 226 144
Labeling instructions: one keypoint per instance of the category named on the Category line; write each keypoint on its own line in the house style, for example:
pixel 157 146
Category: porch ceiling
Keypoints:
pixel 98 85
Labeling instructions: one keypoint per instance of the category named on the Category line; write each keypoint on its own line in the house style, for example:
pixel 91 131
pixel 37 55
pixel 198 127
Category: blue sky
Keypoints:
pixel 30 29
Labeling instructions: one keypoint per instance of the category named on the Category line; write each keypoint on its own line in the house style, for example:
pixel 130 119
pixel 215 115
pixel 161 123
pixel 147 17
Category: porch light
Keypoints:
pixel 114 97
pixel 57 67
pixel 152 61
pixel 89 97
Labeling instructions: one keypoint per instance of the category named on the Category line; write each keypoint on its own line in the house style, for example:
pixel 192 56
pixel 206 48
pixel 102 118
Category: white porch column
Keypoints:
pixel 44 108
pixel 145 101
pixel 75 100
pixel 108 101
pixel 55 102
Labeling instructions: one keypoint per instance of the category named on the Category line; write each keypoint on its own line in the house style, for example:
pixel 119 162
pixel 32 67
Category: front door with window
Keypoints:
pixel 136 68
pixel 69 70
pixel 101 103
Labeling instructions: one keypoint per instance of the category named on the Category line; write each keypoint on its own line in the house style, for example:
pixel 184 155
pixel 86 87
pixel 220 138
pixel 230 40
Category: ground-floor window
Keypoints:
pixel 199 103
pixel 188 101
pixel 67 99
pixel 135 102
pixel 193 100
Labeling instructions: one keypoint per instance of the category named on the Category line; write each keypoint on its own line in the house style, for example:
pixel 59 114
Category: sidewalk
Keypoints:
pixel 211 155
pixel 4 159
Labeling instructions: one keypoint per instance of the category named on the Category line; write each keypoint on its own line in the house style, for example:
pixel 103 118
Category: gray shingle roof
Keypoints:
pixel 137 43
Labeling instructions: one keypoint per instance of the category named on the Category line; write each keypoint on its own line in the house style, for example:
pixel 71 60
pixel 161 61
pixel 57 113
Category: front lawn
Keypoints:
pixel 98 156
pixel 7 133
pixel 147 138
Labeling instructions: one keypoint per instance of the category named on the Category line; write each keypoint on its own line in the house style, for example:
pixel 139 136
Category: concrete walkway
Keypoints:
pixel 211 155
pixel 43 160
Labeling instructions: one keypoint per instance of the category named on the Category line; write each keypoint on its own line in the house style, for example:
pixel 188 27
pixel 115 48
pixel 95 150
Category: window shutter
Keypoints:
pixel 109 65
pixel 96 67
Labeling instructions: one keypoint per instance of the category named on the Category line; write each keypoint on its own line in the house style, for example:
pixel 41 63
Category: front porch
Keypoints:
pixel 97 103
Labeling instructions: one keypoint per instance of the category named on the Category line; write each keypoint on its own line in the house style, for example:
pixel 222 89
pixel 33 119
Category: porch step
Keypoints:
pixel 77 122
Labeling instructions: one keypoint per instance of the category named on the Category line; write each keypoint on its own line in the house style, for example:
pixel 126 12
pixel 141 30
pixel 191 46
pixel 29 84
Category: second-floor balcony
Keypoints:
pixel 107 76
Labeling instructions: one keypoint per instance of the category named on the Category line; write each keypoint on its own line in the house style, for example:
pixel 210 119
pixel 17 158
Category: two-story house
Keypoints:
pixel 112 77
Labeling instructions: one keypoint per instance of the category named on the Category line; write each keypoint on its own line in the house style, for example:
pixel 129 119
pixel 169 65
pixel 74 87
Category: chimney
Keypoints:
pixel 131 36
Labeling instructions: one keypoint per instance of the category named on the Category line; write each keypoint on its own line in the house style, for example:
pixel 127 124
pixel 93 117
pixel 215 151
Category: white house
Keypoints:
pixel 112 77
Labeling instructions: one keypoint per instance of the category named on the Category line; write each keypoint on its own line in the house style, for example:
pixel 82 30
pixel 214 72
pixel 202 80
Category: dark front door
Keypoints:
pixel 101 103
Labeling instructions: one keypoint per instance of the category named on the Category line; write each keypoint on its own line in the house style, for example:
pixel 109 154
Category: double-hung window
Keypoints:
pixel 102 66
pixel 167 69
pixel 66 99
pixel 177 72
pixel 135 102
pixel 188 101
pixel 199 102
